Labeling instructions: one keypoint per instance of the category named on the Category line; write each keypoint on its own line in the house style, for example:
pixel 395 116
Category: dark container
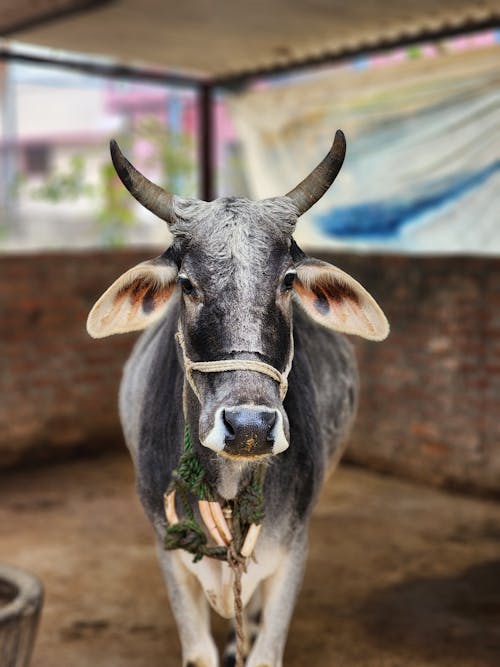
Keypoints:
pixel 21 600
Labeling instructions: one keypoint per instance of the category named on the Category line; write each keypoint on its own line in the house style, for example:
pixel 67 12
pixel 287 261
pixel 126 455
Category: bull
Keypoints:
pixel 234 287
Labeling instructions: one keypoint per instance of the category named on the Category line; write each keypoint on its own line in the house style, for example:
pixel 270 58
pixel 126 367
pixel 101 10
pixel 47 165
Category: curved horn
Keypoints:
pixel 151 196
pixel 314 186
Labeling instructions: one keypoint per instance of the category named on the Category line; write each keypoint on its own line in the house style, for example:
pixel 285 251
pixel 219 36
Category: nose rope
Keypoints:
pixel 180 534
pixel 232 365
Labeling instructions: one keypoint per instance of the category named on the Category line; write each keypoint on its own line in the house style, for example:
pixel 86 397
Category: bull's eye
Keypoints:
pixel 186 284
pixel 288 280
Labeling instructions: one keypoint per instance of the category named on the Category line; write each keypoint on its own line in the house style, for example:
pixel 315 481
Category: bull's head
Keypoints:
pixel 236 269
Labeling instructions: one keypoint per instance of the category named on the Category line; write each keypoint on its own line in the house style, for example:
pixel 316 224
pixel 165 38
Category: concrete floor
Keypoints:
pixel 397 574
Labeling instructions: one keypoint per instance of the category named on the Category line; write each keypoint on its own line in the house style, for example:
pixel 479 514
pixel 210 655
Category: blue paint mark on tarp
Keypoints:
pixel 385 219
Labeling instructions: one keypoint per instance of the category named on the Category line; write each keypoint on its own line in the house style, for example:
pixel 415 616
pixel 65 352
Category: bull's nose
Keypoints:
pixel 249 431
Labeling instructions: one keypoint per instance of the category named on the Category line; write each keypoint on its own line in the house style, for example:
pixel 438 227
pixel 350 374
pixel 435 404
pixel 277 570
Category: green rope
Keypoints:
pixel 250 501
pixel 191 472
pixel 189 478
pixel 187 535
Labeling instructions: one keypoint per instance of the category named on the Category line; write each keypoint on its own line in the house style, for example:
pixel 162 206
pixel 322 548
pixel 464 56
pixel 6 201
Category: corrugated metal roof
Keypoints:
pixel 217 38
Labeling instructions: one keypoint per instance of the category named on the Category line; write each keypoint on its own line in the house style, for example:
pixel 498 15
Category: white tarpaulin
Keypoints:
pixel 422 172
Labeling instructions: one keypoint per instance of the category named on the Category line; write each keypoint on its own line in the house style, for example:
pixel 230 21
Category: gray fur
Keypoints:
pixel 236 253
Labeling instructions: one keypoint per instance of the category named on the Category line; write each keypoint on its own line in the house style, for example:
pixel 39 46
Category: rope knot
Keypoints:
pixel 235 560
pixel 187 535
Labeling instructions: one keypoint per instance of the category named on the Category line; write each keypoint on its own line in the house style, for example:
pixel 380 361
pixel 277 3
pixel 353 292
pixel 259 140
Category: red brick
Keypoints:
pixel 430 393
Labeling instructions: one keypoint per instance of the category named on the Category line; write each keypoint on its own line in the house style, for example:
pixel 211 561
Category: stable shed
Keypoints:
pixel 442 377
pixel 213 44
pixel 398 574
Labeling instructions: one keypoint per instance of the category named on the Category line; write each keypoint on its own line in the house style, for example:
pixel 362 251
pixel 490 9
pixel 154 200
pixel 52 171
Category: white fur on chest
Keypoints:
pixel 216 577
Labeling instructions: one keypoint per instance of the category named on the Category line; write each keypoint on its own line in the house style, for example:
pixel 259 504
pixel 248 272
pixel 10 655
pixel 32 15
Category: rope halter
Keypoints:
pixel 231 545
pixel 232 365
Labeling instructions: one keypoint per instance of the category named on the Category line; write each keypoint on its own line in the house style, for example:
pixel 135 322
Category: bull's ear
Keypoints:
pixel 137 299
pixel 334 299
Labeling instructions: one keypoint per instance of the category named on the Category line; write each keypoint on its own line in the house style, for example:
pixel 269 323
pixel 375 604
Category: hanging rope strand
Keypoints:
pixel 237 564
pixel 247 509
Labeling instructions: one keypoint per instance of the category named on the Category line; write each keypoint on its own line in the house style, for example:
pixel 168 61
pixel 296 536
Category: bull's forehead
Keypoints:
pixel 235 235
pixel 236 250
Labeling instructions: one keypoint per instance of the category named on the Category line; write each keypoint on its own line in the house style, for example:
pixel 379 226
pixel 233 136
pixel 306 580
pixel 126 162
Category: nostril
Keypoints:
pixel 268 420
pixel 228 425
pixel 249 430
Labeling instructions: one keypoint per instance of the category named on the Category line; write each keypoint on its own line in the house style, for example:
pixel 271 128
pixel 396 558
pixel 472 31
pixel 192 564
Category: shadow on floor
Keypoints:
pixel 458 617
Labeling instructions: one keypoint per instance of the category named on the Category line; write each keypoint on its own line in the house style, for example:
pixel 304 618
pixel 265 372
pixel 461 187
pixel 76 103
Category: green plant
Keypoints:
pixel 64 186
pixel 172 153
pixel 114 216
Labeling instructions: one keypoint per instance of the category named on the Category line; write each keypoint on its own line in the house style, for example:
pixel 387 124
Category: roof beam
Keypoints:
pixel 97 67
pixel 41 14
pixel 333 57
pixel 114 69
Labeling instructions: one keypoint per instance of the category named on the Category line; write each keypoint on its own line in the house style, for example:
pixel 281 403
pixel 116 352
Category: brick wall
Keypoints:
pixel 430 393
pixel 58 386
pixel 430 402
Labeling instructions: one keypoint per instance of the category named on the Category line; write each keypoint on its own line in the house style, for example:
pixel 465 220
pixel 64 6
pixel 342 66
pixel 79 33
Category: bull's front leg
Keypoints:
pixel 279 592
pixel 191 611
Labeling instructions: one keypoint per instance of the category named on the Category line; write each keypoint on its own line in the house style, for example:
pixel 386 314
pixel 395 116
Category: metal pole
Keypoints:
pixel 8 152
pixel 206 142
